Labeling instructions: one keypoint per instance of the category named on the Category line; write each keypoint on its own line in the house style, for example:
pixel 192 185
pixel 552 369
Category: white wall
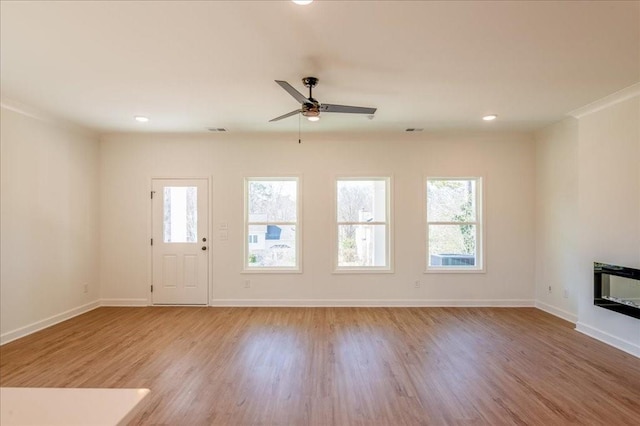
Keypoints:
pixel 49 223
pixel 609 205
pixel 557 233
pixel 506 162
pixel 588 210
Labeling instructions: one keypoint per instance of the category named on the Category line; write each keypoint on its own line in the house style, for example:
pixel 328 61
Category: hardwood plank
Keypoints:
pixel 337 366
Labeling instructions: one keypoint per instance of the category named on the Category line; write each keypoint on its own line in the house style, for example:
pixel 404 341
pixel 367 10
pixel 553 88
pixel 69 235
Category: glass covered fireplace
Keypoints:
pixel 617 288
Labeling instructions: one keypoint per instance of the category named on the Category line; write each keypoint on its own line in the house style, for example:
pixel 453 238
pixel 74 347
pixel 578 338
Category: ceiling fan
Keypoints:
pixel 311 108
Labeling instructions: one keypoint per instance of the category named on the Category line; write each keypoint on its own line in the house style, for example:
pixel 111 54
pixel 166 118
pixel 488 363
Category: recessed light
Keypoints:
pixel 489 117
pixel 302 2
pixel 314 118
pixel 141 119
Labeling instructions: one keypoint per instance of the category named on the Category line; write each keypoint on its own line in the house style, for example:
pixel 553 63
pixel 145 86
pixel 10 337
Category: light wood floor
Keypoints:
pixel 337 366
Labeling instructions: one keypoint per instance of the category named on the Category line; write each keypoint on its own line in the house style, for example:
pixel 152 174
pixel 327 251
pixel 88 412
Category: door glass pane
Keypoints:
pixel 180 214
pixel 362 245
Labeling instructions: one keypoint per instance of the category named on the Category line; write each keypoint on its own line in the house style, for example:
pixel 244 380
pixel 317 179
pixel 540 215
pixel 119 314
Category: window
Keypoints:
pixel 454 225
pixel 271 224
pixel 362 224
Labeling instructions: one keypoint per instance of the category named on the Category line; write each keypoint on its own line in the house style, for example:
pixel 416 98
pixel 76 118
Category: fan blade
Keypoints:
pixel 289 114
pixel 293 92
pixel 347 109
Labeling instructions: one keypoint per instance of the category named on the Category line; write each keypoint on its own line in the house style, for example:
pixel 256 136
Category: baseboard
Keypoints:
pixel 48 322
pixel 373 303
pixel 567 316
pixel 10 336
pixel 124 302
pixel 607 338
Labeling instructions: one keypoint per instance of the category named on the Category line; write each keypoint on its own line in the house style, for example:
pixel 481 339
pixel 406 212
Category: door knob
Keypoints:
pixel 204 247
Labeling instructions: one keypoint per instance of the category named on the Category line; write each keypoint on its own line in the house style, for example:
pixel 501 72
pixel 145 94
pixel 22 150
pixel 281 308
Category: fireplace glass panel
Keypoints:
pixel 623 290
pixel 617 288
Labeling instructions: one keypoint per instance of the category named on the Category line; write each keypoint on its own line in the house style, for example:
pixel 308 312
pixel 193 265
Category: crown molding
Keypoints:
pixel 608 101
pixel 26 110
pixel 43 116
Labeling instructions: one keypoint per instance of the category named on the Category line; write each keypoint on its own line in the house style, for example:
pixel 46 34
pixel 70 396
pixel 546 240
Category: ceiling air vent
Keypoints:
pixel 413 129
pixel 217 129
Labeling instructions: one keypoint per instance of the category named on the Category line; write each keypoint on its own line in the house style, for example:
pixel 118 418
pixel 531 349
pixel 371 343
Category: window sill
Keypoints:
pixel 363 271
pixel 454 271
pixel 272 271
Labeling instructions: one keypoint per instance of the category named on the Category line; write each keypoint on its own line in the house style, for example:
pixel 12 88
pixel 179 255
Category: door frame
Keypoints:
pixel 149 280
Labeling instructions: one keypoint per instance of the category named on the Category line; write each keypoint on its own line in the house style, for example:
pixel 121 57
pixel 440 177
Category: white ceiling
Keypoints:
pixel 434 65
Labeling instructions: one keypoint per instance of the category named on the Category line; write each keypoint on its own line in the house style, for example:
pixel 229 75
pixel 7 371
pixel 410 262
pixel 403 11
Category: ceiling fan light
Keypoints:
pixel 313 118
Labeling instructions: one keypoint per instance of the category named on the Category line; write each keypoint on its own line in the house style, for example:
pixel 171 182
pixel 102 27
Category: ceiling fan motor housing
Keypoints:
pixel 311 109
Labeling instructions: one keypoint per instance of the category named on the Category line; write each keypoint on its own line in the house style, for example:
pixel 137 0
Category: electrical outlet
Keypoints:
pixel 565 293
pixel 247 284
pixel 85 288
pixel 416 284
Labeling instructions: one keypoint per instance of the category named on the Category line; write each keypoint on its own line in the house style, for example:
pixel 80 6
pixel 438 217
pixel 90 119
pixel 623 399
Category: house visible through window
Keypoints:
pixel 362 222
pixel 454 226
pixel 271 224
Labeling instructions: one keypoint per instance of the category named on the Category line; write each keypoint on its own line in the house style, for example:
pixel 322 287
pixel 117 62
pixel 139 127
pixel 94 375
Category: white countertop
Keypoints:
pixel 66 406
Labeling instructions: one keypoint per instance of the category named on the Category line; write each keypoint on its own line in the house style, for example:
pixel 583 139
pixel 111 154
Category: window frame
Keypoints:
pixel 297 268
pixel 479 267
pixel 388 268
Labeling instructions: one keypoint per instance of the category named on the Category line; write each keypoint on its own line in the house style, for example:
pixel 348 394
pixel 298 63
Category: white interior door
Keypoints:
pixel 180 245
